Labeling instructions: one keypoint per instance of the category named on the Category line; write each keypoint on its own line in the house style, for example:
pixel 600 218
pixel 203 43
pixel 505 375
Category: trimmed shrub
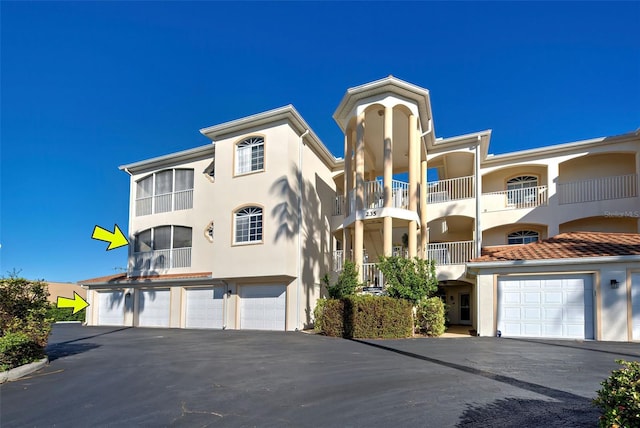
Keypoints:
pixel 409 279
pixel 17 349
pixel 377 317
pixel 619 398
pixel 365 317
pixel 318 314
pixel 333 318
pixel 430 316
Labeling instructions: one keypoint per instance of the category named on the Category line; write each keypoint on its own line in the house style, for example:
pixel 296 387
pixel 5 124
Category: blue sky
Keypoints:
pixel 89 86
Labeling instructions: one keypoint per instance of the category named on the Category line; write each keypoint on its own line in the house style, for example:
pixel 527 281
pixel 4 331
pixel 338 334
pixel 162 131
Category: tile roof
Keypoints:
pixel 122 278
pixel 567 246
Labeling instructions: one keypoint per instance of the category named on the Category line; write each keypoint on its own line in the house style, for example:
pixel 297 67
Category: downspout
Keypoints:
pixel 300 196
pixel 129 247
pixel 478 196
pixel 225 299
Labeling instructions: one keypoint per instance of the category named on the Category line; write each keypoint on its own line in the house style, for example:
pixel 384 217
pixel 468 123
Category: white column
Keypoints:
pixel 348 181
pixel 423 209
pixel 414 162
pixel 387 230
pixel 553 172
pixel 358 243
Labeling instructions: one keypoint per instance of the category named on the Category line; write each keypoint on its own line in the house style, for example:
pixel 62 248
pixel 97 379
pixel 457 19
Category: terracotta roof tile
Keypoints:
pixel 122 278
pixel 567 246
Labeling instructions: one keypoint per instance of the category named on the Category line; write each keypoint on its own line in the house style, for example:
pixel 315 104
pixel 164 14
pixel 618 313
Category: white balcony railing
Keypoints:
pixel 371 275
pixel 598 189
pixel 451 189
pixel 451 253
pixel 175 201
pixel 162 259
pixel 527 197
pixel 374 197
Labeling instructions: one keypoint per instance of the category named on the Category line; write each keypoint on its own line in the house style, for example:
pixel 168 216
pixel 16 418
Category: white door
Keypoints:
pixel 635 306
pixel 263 307
pixel 558 306
pixel 153 308
pixel 111 307
pixel 204 307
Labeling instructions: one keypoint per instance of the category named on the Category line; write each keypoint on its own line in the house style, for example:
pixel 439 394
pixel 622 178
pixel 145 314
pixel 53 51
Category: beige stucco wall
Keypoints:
pixel 602 224
pixel 64 289
pixel 596 166
pixel 498 235
pixel 496 181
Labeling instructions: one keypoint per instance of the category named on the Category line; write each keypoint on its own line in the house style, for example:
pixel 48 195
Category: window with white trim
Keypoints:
pixel 523 237
pixel 248 225
pixel 521 190
pixel 250 155
pixel 162 247
pixel 163 191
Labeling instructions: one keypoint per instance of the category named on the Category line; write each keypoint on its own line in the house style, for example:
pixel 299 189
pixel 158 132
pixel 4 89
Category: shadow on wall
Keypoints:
pixel 305 206
pixel 126 298
pixel 512 412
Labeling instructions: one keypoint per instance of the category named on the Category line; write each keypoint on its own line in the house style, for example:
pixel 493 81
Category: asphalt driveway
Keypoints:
pixel 102 376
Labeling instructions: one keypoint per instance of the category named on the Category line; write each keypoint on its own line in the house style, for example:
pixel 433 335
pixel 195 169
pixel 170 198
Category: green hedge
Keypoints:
pixel 619 398
pixel 17 349
pixel 365 317
pixel 64 314
pixel 430 316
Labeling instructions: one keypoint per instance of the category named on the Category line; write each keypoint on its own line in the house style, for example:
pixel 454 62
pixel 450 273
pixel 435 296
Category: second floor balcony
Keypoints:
pixel 160 260
pixel 526 197
pixel 174 201
pixel 598 189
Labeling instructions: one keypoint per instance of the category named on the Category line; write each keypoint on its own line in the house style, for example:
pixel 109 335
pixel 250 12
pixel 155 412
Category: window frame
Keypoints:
pixel 154 194
pixel 249 142
pixel 524 235
pixel 516 195
pixel 235 216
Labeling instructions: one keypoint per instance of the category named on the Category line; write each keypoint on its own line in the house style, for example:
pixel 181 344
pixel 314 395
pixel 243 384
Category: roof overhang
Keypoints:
pixel 288 113
pixel 478 266
pixel 170 159
pixel 391 85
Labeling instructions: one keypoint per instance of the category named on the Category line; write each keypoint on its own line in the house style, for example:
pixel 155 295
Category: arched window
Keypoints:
pixel 250 155
pixel 523 237
pixel 164 191
pixel 248 225
pixel 521 190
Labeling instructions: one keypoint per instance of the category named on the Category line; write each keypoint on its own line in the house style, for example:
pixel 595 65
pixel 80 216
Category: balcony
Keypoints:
pixel 598 189
pixel 162 259
pixel 452 189
pixel 175 201
pixel 527 197
pixel 451 253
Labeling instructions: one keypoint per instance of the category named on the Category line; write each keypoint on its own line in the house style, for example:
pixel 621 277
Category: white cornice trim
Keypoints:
pixel 170 159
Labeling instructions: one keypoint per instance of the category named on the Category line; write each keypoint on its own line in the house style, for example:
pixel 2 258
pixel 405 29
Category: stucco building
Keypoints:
pixel 238 233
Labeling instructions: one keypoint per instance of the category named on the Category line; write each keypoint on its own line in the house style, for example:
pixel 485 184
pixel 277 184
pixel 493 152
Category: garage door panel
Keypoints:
pixel 154 307
pixel 204 307
pixel 111 308
pixel 635 306
pixel 262 307
pixel 549 307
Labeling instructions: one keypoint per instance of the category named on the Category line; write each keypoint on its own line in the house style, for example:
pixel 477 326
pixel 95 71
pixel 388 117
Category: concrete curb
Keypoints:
pixel 18 372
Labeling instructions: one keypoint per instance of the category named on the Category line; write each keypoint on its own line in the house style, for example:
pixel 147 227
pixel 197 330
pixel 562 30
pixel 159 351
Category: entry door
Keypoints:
pixel 465 308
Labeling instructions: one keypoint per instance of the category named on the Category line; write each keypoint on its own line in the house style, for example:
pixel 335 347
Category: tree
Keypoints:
pixel 347 282
pixel 410 279
pixel 23 308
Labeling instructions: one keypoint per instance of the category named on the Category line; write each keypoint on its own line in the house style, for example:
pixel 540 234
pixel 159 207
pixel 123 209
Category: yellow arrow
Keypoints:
pixel 77 303
pixel 115 239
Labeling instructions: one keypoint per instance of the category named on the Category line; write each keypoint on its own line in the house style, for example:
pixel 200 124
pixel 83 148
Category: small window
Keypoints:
pixel 523 237
pixel 248 225
pixel 250 155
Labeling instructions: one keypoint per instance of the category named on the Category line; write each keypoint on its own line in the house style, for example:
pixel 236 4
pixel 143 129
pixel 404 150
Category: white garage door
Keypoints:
pixel 111 307
pixel 153 308
pixel 558 306
pixel 263 307
pixel 635 305
pixel 204 307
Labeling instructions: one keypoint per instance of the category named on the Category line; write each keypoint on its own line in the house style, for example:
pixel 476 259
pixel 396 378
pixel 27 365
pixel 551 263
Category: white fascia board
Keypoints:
pixel 545 152
pixel 169 159
pixel 446 144
pixel 478 266
pixel 148 282
pixel 288 113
